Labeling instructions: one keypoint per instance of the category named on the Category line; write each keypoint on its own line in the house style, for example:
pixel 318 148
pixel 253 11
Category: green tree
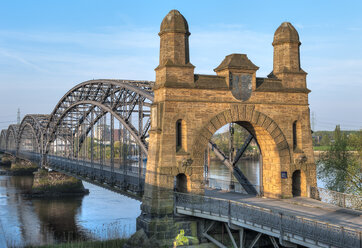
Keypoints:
pixel 339 168
pixel 355 142
pixel 325 141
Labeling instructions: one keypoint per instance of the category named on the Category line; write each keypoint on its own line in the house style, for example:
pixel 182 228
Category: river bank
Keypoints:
pixel 114 243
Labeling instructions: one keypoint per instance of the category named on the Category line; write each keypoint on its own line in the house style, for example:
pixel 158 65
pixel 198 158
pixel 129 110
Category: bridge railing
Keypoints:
pixel 336 198
pixel 126 180
pixel 307 228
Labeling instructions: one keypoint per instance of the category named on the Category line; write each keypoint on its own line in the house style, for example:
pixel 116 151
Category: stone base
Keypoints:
pixel 165 229
pixel 23 167
pixel 5 160
pixel 56 184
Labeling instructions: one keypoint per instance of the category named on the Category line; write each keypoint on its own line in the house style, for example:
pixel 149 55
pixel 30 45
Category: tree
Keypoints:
pixel 355 142
pixel 325 141
pixel 339 168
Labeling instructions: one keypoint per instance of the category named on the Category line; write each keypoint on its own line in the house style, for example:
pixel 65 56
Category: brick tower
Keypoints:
pixel 173 73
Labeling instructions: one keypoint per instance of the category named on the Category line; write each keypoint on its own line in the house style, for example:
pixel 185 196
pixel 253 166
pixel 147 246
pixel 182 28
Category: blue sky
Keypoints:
pixel 47 47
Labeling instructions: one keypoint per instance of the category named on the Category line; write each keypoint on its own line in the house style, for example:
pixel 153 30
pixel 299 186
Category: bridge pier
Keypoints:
pixel 6 159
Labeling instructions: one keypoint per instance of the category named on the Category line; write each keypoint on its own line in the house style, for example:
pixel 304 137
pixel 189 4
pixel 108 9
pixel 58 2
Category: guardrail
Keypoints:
pixel 127 179
pixel 336 198
pixel 237 212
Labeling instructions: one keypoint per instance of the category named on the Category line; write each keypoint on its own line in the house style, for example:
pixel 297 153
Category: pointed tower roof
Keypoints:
pixel 174 22
pixel 286 33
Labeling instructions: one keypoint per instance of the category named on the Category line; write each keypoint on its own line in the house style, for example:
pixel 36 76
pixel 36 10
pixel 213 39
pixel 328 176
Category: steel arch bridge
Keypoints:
pixel 82 127
pixel 98 132
pixel 103 123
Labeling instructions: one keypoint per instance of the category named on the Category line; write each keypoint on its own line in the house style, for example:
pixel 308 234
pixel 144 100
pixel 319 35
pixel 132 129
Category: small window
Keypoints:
pixel 178 135
pixel 295 142
pixel 181 142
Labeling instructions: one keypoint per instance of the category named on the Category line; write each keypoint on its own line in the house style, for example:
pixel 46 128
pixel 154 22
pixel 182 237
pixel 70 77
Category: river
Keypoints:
pixel 100 215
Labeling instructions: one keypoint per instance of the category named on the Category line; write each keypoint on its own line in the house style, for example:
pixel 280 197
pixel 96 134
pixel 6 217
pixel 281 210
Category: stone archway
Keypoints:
pixel 181 183
pixel 272 142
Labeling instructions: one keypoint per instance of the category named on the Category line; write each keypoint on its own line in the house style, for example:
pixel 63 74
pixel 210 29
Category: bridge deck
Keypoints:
pixel 300 206
pixel 300 221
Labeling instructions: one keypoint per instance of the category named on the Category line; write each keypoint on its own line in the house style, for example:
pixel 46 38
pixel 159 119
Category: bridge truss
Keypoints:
pixel 98 132
pixel 103 123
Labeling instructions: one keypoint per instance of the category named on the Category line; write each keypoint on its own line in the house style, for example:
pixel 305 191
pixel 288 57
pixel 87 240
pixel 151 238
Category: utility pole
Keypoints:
pixel 313 120
pixel 18 119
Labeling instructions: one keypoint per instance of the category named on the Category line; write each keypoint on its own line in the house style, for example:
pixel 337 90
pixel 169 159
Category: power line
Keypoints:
pixel 6 121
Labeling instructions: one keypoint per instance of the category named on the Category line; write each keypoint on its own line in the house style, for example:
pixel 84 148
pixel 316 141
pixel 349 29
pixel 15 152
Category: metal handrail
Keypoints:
pixel 315 230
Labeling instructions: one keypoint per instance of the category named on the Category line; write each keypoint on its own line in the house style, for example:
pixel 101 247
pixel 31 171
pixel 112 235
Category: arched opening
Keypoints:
pixel 181 183
pixel 233 145
pixel 299 187
pixel 270 139
pixel 181 135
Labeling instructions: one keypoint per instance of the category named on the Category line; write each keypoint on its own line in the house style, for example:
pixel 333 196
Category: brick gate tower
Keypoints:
pixel 189 108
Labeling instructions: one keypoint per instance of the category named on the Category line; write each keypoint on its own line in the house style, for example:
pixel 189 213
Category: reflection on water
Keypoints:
pixel 100 215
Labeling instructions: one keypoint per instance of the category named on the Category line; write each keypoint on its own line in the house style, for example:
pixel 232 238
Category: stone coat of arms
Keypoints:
pixel 240 86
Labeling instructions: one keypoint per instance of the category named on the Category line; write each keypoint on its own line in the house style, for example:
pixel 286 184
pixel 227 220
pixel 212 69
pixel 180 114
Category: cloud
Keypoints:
pixel 18 58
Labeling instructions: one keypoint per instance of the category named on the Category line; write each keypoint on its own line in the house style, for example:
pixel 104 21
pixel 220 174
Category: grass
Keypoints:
pixel 321 148
pixel 114 243
pixel 326 148
pixel 107 235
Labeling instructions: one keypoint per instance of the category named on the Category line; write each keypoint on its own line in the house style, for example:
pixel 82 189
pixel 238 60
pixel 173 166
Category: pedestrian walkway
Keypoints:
pixel 300 206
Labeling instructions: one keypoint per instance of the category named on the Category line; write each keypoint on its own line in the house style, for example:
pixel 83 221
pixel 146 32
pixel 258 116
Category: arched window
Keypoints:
pixel 297 136
pixel 295 141
pixel 180 135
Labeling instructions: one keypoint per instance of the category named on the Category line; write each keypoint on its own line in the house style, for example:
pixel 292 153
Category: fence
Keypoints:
pixel 306 228
pixel 336 198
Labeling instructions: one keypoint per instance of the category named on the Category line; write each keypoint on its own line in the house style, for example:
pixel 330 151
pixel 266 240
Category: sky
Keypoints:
pixel 47 47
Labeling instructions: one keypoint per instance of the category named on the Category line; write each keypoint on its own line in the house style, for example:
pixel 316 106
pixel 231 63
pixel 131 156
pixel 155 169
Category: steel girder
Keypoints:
pixel 82 106
pixel 3 139
pixel 33 126
pixel 11 136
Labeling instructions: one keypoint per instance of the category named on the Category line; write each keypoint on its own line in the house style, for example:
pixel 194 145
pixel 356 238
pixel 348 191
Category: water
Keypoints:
pixel 250 168
pixel 100 215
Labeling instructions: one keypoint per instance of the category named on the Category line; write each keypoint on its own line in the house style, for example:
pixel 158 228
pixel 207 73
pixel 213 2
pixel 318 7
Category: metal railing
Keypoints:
pixel 276 220
pixel 128 180
pixel 336 198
